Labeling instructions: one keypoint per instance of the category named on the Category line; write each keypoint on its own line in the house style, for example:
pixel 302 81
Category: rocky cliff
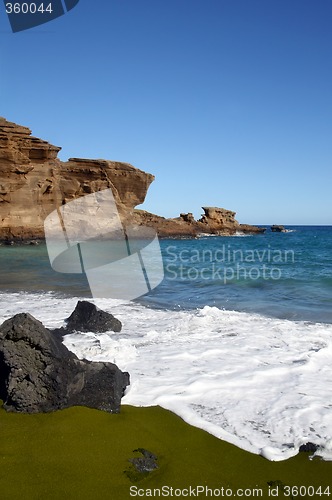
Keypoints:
pixel 34 182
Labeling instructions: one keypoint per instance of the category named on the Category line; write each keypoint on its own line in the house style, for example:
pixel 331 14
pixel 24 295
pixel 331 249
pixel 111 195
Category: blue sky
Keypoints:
pixel 227 102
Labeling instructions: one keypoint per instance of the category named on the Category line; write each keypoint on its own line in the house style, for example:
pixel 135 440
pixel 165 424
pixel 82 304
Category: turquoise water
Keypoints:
pixel 285 275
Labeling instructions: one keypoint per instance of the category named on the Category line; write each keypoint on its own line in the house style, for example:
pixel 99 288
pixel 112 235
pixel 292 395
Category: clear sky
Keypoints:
pixel 227 102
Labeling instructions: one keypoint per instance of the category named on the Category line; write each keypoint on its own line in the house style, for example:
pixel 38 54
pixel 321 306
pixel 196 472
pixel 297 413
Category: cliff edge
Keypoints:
pixel 34 182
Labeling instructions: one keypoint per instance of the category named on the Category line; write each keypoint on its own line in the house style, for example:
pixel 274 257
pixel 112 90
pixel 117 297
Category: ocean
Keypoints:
pixel 237 339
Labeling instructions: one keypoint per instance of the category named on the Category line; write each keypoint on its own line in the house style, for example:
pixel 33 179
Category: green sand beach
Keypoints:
pixel 81 453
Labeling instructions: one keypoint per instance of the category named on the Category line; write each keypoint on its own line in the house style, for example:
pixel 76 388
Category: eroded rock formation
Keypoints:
pixel 34 183
pixel 217 221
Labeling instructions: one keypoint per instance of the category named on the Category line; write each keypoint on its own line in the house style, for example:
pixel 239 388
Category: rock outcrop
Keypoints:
pixel 278 229
pixel 39 374
pixel 223 221
pixel 217 221
pixel 86 317
pixel 34 183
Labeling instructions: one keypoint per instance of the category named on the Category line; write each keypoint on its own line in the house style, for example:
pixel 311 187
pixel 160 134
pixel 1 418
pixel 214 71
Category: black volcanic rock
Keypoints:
pixel 146 463
pixel 86 317
pixel 39 374
pixel 309 447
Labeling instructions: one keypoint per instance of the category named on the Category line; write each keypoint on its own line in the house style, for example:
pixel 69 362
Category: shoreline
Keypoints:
pixel 89 452
pixel 177 237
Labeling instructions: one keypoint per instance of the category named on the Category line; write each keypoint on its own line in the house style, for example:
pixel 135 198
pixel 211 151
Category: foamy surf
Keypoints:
pixel 260 383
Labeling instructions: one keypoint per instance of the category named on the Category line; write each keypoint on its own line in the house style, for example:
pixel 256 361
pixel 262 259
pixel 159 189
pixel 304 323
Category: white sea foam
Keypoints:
pixel 260 383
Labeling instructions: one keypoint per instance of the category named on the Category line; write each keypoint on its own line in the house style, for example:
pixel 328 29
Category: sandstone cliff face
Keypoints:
pixel 34 183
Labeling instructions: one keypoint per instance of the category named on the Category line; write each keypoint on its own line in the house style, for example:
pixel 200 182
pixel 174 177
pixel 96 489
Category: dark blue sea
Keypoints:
pixel 284 275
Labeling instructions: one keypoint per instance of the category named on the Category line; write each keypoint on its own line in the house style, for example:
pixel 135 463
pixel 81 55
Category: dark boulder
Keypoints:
pixel 39 374
pixel 141 467
pixel 309 447
pixel 146 463
pixel 278 229
pixel 86 317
